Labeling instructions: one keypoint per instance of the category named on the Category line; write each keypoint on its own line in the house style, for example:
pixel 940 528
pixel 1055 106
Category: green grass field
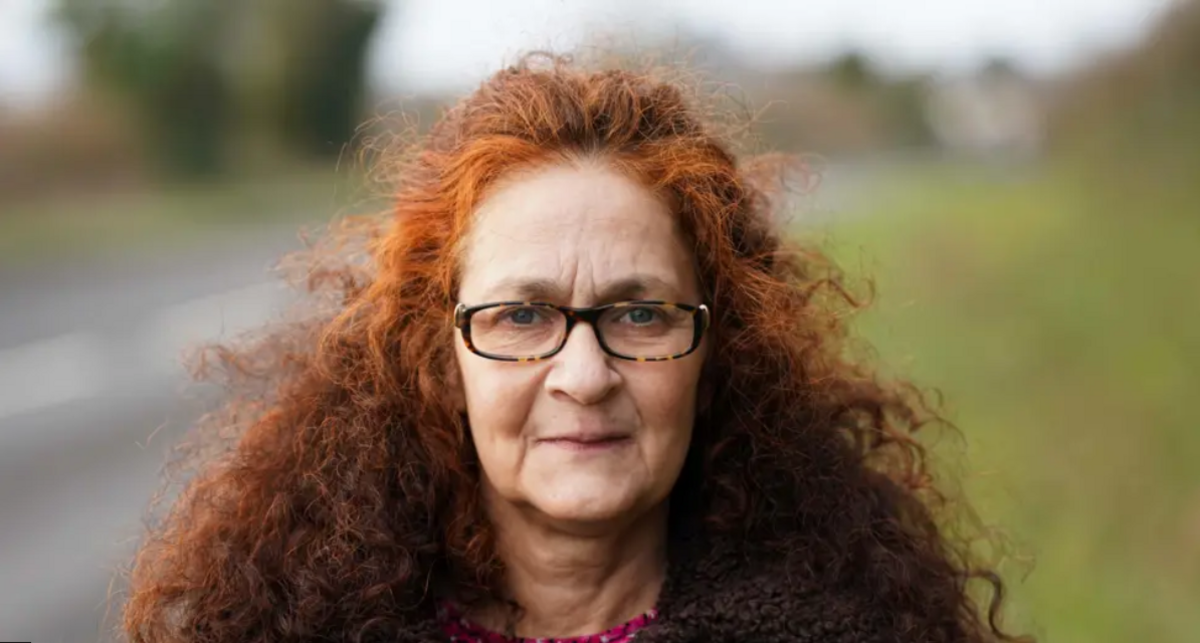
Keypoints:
pixel 1061 319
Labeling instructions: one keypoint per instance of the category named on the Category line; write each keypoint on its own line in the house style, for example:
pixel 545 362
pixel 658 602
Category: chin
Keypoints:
pixel 585 514
pixel 569 504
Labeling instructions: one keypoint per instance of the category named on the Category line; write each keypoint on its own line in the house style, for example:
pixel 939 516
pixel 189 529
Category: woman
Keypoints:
pixel 580 389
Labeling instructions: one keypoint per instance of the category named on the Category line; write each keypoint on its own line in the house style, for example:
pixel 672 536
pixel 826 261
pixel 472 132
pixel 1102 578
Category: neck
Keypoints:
pixel 570 583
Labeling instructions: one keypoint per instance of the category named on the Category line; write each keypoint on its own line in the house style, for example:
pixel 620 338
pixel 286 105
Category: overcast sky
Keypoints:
pixel 451 44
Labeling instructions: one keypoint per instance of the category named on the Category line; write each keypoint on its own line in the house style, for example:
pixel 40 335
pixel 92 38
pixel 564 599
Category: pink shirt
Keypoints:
pixel 460 630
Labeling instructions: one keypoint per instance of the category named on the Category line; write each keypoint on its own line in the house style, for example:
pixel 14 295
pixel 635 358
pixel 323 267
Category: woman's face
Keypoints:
pixel 578 236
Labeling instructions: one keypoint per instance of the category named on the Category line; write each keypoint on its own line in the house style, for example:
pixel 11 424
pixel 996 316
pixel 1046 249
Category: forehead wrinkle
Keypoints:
pixel 636 268
pixel 496 249
pixel 584 274
pixel 581 232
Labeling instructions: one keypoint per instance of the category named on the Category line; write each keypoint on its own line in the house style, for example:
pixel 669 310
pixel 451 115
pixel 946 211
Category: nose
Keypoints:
pixel 582 370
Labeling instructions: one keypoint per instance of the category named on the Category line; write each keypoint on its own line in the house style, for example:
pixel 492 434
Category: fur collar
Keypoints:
pixel 721 593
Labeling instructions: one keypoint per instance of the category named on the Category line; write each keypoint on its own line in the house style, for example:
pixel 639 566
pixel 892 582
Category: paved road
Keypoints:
pixel 88 372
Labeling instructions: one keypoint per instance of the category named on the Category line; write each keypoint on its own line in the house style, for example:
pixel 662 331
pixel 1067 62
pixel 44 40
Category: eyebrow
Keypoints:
pixel 526 289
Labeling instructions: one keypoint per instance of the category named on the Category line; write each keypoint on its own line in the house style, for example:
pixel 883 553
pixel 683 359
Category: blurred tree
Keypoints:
pixel 897 105
pixel 301 69
pixel 162 58
pixel 1000 67
pixel 904 109
pixel 200 72
pixel 1136 114
pixel 853 70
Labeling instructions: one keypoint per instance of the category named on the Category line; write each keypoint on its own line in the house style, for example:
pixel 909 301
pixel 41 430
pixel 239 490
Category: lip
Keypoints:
pixel 589 441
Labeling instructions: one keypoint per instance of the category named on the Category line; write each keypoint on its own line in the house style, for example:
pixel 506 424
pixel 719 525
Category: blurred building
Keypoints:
pixel 992 113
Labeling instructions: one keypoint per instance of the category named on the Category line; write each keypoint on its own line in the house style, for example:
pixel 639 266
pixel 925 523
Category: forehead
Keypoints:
pixel 577 227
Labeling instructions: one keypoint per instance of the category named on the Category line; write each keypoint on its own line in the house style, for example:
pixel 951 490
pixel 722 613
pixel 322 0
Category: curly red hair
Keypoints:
pixel 348 486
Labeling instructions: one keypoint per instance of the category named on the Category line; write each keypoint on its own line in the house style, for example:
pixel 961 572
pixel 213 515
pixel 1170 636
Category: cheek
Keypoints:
pixel 665 394
pixel 498 397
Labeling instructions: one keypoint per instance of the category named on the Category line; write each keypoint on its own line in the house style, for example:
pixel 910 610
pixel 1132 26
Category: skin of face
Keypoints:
pixel 578 235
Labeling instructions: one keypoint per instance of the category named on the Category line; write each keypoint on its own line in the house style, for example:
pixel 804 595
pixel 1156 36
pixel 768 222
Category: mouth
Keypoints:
pixel 584 442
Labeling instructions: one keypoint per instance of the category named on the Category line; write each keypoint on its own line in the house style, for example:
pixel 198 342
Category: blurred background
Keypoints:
pixel 1021 179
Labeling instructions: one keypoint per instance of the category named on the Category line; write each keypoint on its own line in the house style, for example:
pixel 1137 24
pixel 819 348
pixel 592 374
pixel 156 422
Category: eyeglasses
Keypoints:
pixel 528 331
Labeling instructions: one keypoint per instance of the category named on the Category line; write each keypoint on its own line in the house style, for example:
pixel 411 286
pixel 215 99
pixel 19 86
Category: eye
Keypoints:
pixel 642 315
pixel 522 316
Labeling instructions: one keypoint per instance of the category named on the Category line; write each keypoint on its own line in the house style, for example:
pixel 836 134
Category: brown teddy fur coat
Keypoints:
pixel 720 594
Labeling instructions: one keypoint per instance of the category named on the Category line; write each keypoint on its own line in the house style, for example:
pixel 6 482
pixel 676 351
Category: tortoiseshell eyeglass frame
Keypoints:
pixel 700 321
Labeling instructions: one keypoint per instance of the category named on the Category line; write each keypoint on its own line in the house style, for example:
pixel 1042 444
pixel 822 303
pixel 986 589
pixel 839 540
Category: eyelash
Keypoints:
pixel 657 314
